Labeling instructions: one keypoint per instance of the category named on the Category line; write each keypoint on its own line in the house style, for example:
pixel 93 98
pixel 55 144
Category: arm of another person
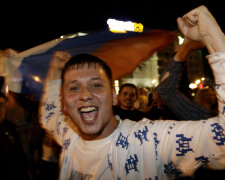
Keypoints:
pixel 50 113
pixel 168 90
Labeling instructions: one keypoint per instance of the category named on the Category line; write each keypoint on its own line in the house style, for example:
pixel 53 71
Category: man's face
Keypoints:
pixel 88 98
pixel 127 97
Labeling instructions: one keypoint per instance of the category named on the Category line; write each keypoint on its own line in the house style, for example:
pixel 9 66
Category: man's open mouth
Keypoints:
pixel 88 113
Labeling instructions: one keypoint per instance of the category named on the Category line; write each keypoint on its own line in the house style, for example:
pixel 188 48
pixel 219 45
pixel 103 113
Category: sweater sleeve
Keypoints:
pixel 50 114
pixel 174 99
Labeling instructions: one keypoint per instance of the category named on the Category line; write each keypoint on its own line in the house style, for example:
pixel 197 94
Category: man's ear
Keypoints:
pixel 115 100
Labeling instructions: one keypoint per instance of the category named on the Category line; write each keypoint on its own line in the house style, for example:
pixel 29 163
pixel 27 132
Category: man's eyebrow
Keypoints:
pixel 73 81
pixel 70 83
pixel 76 81
pixel 96 78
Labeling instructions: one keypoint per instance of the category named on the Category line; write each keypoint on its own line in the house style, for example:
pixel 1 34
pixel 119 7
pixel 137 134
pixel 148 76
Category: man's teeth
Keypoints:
pixel 87 109
pixel 88 113
pixel 88 118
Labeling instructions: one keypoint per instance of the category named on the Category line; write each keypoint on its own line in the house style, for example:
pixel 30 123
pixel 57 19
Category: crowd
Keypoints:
pixel 82 130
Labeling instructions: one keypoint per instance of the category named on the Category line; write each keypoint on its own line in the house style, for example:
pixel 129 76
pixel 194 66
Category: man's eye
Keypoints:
pixel 97 86
pixel 75 88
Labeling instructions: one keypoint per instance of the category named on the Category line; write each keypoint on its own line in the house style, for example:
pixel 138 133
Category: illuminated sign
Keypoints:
pixel 116 26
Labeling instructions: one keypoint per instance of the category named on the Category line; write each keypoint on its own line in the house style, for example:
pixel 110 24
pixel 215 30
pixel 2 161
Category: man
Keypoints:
pixel 127 96
pixel 96 145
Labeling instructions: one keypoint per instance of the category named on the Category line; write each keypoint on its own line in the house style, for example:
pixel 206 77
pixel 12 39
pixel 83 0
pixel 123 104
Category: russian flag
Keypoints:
pixel 25 72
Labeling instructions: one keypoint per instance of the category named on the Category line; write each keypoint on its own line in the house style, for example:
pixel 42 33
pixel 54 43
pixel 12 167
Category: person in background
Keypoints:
pixel 14 163
pixel 141 102
pixel 20 116
pixel 128 94
pixel 156 109
pixel 206 98
pixel 98 145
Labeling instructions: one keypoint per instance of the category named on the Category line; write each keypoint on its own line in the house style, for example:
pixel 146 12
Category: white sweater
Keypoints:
pixel 147 150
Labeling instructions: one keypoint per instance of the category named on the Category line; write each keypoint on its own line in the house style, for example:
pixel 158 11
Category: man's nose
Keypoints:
pixel 85 94
pixel 129 96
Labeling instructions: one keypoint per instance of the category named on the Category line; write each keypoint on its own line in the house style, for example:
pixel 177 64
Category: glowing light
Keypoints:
pixel 36 78
pixel 193 86
pixel 116 85
pixel 6 89
pixel 201 86
pixel 180 40
pixel 197 81
pixel 203 79
pixel 153 81
pixel 82 34
pixel 117 26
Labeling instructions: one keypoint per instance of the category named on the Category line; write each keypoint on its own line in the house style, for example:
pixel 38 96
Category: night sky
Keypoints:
pixel 24 26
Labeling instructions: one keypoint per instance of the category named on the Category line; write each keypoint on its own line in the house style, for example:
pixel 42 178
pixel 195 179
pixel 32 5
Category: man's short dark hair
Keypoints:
pixel 128 85
pixel 82 59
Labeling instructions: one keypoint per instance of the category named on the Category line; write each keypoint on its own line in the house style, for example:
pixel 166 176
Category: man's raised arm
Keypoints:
pixel 50 112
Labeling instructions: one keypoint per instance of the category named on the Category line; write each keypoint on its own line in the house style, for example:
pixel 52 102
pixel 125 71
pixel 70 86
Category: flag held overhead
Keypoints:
pixel 122 52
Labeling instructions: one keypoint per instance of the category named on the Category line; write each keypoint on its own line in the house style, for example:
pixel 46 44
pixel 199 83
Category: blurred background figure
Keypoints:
pixel 157 110
pixel 127 96
pixel 141 102
pixel 206 97
pixel 20 114
pixel 14 163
